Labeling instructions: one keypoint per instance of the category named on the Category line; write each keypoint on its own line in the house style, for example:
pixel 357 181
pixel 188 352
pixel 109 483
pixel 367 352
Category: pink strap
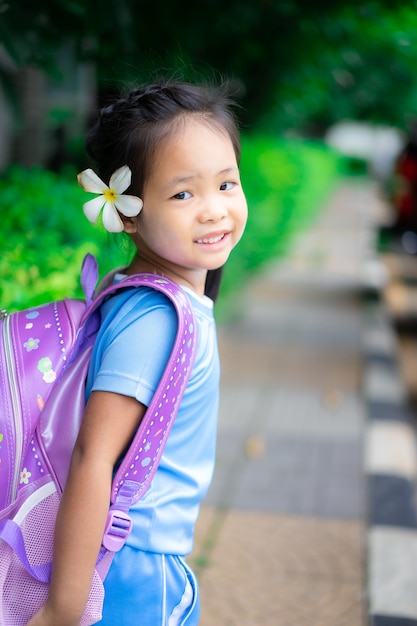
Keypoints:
pixel 141 461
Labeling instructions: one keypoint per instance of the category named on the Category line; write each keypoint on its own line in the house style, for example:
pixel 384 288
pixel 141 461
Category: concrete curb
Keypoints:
pixel 390 459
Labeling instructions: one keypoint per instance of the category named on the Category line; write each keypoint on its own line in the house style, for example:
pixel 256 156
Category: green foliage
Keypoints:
pixel 44 237
pixel 360 64
pixel 303 61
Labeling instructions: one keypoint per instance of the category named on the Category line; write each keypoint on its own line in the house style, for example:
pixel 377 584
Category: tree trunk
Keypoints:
pixel 30 142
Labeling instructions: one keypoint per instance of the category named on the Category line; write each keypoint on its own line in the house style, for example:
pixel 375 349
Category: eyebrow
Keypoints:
pixel 184 179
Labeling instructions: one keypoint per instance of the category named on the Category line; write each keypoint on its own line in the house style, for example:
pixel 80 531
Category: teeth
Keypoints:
pixel 211 239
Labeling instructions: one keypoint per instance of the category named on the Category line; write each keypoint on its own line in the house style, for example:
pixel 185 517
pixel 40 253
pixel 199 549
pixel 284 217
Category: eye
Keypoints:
pixel 182 195
pixel 226 186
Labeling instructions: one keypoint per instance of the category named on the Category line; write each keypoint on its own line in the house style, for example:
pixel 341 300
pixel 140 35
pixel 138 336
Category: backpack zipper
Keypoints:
pixel 17 414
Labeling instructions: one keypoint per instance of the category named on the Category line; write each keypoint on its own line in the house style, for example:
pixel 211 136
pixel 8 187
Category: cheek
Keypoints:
pixel 162 232
pixel 241 222
pixel 151 222
pixel 242 213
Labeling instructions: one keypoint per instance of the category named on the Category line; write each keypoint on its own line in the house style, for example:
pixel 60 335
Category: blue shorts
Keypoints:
pixel 150 589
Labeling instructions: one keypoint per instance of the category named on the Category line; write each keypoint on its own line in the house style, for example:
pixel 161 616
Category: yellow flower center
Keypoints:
pixel 110 195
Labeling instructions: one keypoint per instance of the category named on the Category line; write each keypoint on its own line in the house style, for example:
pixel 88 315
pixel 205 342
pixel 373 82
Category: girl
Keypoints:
pixel 185 213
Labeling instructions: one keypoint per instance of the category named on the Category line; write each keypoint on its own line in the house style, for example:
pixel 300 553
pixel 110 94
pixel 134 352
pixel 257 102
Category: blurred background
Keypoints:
pixel 327 94
pixel 325 88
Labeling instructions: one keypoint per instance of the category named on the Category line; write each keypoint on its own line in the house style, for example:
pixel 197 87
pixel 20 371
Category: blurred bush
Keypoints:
pixel 44 234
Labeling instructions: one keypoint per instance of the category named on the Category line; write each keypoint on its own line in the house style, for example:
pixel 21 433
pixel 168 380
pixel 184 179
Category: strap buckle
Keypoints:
pixel 117 529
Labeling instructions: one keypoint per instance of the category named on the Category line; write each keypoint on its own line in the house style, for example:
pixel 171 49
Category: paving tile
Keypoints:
pixel 393 572
pixel 383 384
pixel 389 361
pixel 379 337
pixel 291 410
pixel 388 411
pixel 282 570
pixel 391 449
pixel 391 620
pixel 251 361
pixel 306 323
pixel 323 478
pixel 391 501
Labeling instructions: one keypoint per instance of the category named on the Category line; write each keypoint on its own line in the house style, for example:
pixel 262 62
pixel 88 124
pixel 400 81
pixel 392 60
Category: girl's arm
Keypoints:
pixel 109 423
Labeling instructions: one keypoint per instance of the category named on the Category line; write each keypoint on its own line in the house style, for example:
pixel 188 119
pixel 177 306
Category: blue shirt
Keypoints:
pixel 133 345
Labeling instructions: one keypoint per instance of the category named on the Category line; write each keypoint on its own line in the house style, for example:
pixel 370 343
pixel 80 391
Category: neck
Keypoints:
pixel 195 280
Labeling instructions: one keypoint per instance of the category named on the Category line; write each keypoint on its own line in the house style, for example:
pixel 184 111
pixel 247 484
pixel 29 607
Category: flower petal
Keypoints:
pixel 92 208
pixel 120 179
pixel 89 181
pixel 111 219
pixel 129 205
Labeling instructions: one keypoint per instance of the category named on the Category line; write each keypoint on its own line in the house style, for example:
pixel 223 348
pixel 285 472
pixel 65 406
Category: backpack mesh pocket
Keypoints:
pixel 21 595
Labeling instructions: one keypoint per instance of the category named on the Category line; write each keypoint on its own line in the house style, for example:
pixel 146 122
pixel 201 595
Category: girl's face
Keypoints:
pixel 194 209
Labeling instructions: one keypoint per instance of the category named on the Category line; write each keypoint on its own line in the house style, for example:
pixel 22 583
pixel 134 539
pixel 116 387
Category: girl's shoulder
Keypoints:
pixel 149 297
pixel 151 310
pixel 136 302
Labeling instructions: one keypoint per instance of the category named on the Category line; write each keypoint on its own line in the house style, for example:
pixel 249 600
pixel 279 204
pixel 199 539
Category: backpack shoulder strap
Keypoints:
pixel 141 461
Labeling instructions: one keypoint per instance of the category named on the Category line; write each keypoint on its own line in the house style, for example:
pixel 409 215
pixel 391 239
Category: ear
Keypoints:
pixel 130 224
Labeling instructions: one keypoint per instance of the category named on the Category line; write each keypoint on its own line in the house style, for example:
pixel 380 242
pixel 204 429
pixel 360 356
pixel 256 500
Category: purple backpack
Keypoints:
pixel 44 358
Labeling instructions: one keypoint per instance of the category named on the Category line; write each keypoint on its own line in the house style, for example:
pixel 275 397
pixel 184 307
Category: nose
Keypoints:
pixel 214 210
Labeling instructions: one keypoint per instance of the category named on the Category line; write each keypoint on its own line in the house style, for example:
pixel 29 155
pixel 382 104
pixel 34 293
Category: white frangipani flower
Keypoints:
pixel 111 198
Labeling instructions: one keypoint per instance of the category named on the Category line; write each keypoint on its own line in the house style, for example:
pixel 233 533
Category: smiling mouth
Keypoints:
pixel 211 239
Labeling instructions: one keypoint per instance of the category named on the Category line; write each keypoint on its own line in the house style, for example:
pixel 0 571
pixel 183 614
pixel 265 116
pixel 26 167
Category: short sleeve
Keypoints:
pixel 133 345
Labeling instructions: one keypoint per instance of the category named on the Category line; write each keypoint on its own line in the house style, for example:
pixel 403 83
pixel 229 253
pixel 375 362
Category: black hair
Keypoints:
pixel 129 131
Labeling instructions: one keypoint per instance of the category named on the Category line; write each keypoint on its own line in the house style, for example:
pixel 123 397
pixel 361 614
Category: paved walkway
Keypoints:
pixel 282 537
